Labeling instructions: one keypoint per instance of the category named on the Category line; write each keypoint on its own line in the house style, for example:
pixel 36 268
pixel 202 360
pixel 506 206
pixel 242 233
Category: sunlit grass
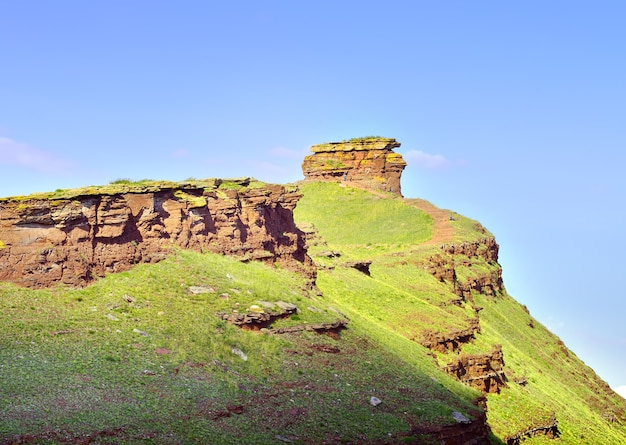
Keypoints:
pixel 139 353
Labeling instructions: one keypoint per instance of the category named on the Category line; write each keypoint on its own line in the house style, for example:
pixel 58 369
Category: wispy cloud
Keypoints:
pixel 180 154
pixel 266 167
pixel 553 324
pixel 427 160
pixel 23 155
pixel 621 390
pixel 288 153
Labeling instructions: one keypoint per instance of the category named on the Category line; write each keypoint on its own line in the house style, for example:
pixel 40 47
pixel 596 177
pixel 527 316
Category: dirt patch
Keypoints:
pixel 443 232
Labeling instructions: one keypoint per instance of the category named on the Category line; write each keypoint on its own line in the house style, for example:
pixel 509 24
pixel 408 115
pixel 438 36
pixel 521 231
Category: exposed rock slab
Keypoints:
pixel 256 318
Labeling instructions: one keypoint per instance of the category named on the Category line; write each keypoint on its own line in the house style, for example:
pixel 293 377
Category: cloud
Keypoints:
pixel 621 390
pixel 23 155
pixel 288 153
pixel 426 160
pixel 553 324
pixel 180 154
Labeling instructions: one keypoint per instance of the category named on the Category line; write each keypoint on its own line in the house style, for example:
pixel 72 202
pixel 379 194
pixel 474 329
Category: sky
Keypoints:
pixel 511 113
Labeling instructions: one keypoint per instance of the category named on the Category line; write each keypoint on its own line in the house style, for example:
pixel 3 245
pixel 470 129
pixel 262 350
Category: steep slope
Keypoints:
pixel 202 347
pixel 449 301
pixel 407 334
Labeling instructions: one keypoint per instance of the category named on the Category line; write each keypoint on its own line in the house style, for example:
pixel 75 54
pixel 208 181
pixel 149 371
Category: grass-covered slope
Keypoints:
pixel 138 358
pixel 141 357
pixel 401 298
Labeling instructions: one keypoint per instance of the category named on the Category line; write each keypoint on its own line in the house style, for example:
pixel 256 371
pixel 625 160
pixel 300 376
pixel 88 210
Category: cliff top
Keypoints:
pixel 123 186
pixel 357 144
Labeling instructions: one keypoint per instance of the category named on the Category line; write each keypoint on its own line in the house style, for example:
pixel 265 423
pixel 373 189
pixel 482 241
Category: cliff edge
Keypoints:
pixel 74 236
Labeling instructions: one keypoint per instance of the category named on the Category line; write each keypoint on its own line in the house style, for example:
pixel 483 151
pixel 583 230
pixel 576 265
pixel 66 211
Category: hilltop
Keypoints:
pixel 232 311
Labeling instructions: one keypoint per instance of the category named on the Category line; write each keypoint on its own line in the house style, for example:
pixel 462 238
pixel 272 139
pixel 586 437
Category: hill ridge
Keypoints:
pixel 331 311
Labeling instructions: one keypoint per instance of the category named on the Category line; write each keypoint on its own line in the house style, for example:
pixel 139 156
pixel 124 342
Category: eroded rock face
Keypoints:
pixel 443 267
pixel 450 341
pixel 73 240
pixel 369 162
pixel 548 428
pixel 481 371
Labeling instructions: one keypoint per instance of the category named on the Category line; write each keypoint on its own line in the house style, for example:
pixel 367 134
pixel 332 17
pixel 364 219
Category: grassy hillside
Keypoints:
pixel 137 358
pixel 401 298
pixel 142 357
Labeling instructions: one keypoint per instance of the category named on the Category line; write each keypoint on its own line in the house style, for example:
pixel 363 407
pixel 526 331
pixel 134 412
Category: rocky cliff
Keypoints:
pixel 71 237
pixel 369 162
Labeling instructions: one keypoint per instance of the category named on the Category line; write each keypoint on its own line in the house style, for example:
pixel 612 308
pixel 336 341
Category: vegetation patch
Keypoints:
pixel 360 218
pixel 192 200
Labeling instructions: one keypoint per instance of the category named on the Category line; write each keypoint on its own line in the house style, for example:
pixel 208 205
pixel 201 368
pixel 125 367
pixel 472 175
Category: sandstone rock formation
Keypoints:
pixel 368 162
pixel 76 236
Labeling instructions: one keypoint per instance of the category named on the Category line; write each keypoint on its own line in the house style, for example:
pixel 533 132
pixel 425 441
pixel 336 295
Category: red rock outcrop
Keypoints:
pixel 487 282
pixel 548 428
pixel 481 371
pixel 368 162
pixel 81 235
pixel 450 341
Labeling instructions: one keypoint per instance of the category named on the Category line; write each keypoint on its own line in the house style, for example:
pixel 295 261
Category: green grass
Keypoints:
pixel 400 299
pixel 137 358
pixel 125 185
pixel 358 222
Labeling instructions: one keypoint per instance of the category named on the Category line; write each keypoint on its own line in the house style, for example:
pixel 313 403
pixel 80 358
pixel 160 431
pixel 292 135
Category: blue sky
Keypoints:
pixel 512 113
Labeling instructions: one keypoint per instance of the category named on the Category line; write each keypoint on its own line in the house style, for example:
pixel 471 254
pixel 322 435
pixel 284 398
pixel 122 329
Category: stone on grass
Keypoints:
pixel 375 401
pixel 200 290
pixel 460 417
pixel 140 332
pixel 288 307
pixel 239 353
pixel 267 304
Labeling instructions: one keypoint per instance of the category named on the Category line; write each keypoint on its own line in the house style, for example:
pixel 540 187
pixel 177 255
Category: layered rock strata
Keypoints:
pixel 548 429
pixel 481 371
pixel 483 281
pixel 75 236
pixel 450 341
pixel 367 162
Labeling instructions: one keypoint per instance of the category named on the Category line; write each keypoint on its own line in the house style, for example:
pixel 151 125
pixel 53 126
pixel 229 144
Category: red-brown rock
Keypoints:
pixel 72 239
pixel 368 162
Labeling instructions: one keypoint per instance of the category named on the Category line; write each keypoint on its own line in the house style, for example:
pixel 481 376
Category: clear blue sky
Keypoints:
pixel 512 113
